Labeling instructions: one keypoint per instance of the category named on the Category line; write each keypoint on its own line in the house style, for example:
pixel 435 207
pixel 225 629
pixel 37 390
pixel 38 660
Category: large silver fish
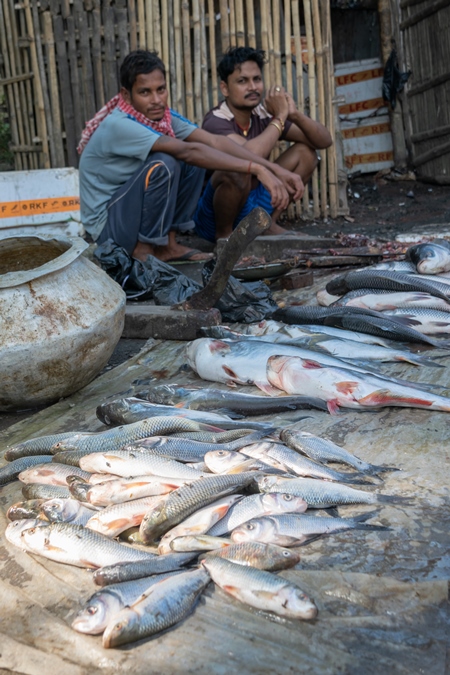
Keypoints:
pixel 293 530
pixel 165 604
pixel 121 490
pixel 136 463
pixel 343 388
pixel 14 530
pixel 117 518
pixel 385 280
pixel 157 564
pixel 76 545
pixel 321 494
pixel 103 605
pixel 11 471
pixel 51 473
pixel 260 555
pixel 424 320
pixel 324 450
pixel 257 505
pixel 379 301
pixel 66 511
pixel 114 439
pixel 259 589
pixel 38 446
pixel 25 509
pixel 183 502
pixel 198 542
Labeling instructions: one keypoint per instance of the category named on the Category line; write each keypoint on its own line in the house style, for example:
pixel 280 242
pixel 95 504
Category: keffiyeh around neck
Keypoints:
pixel 162 126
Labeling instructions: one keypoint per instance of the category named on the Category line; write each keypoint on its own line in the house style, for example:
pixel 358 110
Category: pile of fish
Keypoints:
pixel 226 505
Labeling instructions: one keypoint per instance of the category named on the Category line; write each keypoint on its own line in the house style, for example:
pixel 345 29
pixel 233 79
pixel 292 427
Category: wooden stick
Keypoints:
pixel 224 25
pixel 265 30
pixel 9 90
pixel 187 59
pixel 44 89
pixel 250 16
pixel 212 52
pixel 110 67
pixel 240 24
pixel 86 59
pixel 321 103
pixel 157 27
pixel 276 28
pixel 65 90
pixel 312 94
pixel 97 57
pixel 149 24
pixel 53 90
pixel 172 62
pixel 272 71
pixel 14 59
pixel 232 16
pixel 30 112
pixel 74 79
pixel 197 61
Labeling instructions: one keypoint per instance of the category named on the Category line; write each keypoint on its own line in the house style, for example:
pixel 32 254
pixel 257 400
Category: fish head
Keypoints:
pixel 78 488
pixel 256 529
pixel 281 502
pixel 123 628
pixel 108 412
pixel 274 370
pixel 429 258
pixel 28 509
pixel 265 483
pixel 93 619
pixel 280 558
pixel 14 530
pixel 222 460
pixel 61 510
pixel 296 604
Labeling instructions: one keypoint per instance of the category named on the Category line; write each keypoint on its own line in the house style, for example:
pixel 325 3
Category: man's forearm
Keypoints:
pixel 244 152
pixel 316 134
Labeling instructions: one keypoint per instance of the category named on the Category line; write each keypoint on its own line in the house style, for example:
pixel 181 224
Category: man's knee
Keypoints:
pixel 161 168
pixel 232 179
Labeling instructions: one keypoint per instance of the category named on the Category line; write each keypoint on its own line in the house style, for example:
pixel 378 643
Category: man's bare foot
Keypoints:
pixel 277 229
pixel 171 252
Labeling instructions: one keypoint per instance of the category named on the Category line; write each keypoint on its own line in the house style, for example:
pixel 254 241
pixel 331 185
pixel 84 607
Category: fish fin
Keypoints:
pixel 384 396
pixel 346 387
pixel 390 499
pixel 309 364
pixel 179 405
pixel 269 389
pixel 232 414
pixel 209 427
pixel 264 595
pixel 247 465
pixel 231 384
pixel 217 345
pixel 419 361
pixel 333 407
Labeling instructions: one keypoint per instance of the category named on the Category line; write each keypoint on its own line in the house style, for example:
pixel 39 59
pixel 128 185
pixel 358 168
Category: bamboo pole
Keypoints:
pixel 250 16
pixel 65 90
pixel 165 41
pixel 187 58
pixel 240 24
pixel 337 190
pixel 33 156
pixel 132 25
pixel 276 29
pixel 178 55
pixel 272 70
pixel 13 58
pixel 24 101
pixel 321 103
pixel 97 56
pixel 59 159
pixel 204 59
pixel 212 52
pixel 224 25
pixel 197 61
pixel 45 122
pixel 8 89
pixel 141 21
pixel 265 28
pixel 298 55
pixel 172 62
pixel 149 24
pixel 232 16
pixel 156 27
pixel 312 94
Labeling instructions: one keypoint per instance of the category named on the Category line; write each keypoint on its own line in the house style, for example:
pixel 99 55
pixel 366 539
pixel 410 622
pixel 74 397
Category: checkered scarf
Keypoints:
pixel 163 126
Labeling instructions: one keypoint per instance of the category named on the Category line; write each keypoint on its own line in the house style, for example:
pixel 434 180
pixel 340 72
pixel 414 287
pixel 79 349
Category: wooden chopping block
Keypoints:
pixel 296 279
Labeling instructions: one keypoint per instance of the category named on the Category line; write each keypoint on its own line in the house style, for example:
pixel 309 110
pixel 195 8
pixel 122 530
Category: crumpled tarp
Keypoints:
pixel 382 596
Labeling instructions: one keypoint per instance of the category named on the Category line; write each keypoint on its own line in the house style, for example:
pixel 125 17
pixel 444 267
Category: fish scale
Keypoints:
pixel 260 555
pixel 136 463
pixel 379 279
pixel 11 471
pixel 158 564
pixel 38 446
pixel 305 467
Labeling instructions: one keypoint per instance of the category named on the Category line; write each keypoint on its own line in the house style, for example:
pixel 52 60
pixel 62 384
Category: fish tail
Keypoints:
pixel 391 499
pixel 379 468
pixel 369 526
pixel 419 361
pixel 209 427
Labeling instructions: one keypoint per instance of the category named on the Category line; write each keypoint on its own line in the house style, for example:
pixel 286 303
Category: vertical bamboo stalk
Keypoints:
pixel 66 91
pixel 312 94
pixel 232 16
pixel 321 103
pixel 17 53
pixel 265 29
pixel 288 46
pixel 110 64
pixel 156 27
pixel 141 21
pixel 41 67
pixel 18 102
pixel 34 156
pixel 299 81
pixel 132 24
pixel 54 92
pixel 172 61
pixel 337 193
pixel 204 59
pixel 212 52
pixel 178 55
pixel 250 16
pixel 149 23
pixel 88 92
pixel 165 41
pixel 276 27
pixel 240 24
pixel 197 61
pixel 224 25
pixel 97 56
pixel 9 90
pixel 187 58
pixel 272 71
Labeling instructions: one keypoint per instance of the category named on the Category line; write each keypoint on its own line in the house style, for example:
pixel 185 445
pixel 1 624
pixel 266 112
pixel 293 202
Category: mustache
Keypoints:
pixel 252 93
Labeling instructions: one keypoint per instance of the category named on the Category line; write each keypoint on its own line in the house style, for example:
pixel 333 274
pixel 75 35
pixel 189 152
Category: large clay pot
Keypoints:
pixel 61 317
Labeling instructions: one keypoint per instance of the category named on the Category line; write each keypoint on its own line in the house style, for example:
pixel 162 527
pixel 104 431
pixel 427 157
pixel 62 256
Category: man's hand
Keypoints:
pixel 291 181
pixel 276 102
pixel 278 191
pixel 292 108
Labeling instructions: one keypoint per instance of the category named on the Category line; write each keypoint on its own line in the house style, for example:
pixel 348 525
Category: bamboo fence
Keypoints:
pixel 59 62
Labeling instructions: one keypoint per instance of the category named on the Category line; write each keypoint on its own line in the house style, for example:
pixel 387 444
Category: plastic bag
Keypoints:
pixel 393 79
pixel 242 302
pixel 144 280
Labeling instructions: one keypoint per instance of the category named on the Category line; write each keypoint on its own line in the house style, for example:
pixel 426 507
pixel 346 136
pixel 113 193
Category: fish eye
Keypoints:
pixel 221 453
pixel 92 610
pixel 288 498
pixel 250 527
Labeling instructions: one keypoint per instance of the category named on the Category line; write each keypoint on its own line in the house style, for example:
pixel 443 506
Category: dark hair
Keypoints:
pixel 236 56
pixel 139 62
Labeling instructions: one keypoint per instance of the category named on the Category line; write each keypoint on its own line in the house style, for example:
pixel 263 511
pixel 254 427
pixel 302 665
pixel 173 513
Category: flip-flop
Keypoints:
pixel 188 256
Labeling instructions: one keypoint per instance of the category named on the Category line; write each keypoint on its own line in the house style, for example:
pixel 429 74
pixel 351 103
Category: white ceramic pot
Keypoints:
pixel 61 317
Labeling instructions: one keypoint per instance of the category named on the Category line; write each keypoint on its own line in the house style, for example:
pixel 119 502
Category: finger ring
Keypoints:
pixel 277 89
